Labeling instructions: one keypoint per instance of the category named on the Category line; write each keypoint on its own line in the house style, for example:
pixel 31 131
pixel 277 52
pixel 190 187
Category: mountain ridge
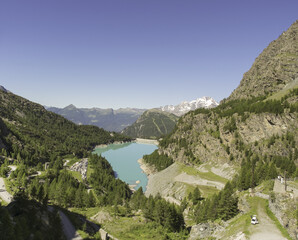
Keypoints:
pixel 118 119
pixel 273 69
pixel 186 106
pixel 109 119
pixel 152 124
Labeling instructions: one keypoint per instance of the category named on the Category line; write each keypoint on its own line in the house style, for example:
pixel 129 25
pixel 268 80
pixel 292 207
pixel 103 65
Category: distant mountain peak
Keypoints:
pixel 185 106
pixel 3 89
pixel 71 106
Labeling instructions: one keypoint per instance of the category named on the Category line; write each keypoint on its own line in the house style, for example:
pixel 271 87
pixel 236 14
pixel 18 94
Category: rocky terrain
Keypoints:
pixel 207 139
pixel 273 69
pixel 81 167
pixel 283 204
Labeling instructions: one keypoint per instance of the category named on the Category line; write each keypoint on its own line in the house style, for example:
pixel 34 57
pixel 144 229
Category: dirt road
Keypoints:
pixel 6 196
pixel 68 229
pixel 266 228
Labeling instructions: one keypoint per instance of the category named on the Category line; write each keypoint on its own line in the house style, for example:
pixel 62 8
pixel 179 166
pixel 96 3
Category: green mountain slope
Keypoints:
pixel 33 133
pixel 152 124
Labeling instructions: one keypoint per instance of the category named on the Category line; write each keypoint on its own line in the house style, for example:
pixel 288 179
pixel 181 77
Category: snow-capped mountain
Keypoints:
pixel 184 107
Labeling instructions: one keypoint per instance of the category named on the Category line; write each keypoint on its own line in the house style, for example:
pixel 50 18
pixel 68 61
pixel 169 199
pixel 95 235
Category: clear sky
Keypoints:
pixel 133 53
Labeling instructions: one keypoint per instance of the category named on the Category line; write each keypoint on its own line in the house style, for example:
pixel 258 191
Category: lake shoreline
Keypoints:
pixel 124 161
pixel 147 169
pixel 137 140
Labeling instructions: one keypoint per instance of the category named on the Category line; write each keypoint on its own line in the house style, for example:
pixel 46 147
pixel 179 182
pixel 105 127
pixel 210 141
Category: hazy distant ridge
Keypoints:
pixel 108 119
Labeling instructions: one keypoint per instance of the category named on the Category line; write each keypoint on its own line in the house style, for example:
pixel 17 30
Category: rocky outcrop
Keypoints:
pixel 204 230
pixel 81 167
pixel 284 207
pixel 273 69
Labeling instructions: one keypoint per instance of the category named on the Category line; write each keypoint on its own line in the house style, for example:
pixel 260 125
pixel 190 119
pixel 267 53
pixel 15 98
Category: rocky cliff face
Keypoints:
pixel 283 206
pixel 273 69
pixel 201 138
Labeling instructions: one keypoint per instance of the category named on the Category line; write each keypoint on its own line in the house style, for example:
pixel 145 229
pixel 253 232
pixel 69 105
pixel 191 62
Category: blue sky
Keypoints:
pixel 133 53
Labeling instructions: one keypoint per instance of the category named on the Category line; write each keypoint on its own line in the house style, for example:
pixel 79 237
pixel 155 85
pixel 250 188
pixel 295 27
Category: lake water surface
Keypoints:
pixel 124 160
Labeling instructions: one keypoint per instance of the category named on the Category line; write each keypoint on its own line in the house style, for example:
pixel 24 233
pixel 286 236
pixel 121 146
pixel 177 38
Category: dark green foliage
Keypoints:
pixel 60 188
pixel 37 135
pixel 256 169
pixel 196 196
pixel 220 206
pixel 109 190
pixel 25 219
pixel 230 126
pixel 159 161
pixel 159 210
pixel 152 124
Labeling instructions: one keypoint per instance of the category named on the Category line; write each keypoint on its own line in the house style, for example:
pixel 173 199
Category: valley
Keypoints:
pixel 209 170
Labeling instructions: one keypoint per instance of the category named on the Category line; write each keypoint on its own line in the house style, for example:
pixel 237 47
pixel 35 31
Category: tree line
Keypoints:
pixel 160 161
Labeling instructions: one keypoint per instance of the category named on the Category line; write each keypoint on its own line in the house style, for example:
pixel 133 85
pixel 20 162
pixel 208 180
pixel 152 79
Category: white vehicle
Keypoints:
pixel 254 220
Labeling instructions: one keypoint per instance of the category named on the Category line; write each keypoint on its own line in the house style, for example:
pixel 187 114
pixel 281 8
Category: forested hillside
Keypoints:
pixel 152 124
pixel 31 136
pixel 31 133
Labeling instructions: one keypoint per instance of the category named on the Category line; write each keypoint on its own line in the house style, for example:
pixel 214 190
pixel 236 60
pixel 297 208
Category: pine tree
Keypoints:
pixel 40 193
pixel 196 196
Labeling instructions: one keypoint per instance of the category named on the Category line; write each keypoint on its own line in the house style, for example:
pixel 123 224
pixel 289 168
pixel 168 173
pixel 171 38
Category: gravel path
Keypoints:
pixel 266 228
pixel 195 180
pixel 6 196
pixel 68 229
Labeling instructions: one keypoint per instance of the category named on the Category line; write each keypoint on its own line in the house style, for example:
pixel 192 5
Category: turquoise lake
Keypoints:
pixel 124 160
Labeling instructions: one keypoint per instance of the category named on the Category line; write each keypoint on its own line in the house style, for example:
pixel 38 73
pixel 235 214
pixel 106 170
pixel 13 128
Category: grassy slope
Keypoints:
pixel 285 91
